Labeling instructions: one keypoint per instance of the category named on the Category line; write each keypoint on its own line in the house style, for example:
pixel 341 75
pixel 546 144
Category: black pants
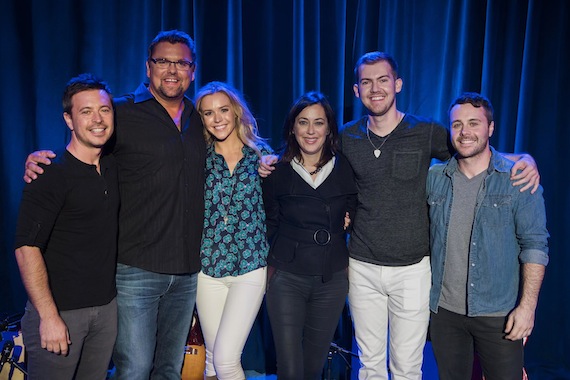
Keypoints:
pixel 455 337
pixel 304 312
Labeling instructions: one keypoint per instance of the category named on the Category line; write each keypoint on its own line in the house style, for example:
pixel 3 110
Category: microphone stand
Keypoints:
pixel 7 358
pixel 8 348
pixel 336 349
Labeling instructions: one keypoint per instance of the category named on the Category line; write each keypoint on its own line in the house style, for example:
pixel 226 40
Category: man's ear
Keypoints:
pixel 355 89
pixel 193 75
pixel 68 121
pixel 399 84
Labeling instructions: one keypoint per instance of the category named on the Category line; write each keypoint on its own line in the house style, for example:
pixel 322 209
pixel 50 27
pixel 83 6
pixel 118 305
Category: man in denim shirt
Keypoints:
pixel 489 250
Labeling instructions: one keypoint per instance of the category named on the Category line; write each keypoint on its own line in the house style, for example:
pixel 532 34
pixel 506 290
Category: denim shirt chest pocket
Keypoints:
pixel 436 199
pixel 437 213
pixel 496 210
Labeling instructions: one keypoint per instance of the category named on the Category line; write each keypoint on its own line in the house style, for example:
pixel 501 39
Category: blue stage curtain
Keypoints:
pixel 517 52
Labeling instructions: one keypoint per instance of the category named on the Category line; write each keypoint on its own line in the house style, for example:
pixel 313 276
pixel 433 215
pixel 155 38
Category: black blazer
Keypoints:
pixel 305 225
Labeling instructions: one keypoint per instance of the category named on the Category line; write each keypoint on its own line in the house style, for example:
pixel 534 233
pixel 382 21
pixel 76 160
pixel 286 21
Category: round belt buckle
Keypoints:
pixel 322 237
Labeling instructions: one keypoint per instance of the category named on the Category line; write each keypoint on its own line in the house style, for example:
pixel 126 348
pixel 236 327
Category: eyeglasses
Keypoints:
pixel 163 63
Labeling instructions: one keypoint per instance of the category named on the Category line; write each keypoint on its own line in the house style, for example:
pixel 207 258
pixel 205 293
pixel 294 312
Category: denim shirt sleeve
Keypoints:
pixel 530 227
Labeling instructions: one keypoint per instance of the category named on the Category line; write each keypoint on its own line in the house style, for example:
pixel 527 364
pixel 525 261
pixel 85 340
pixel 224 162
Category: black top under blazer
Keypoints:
pixel 305 225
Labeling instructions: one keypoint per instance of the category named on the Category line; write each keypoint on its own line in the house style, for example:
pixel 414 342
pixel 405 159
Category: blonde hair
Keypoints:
pixel 245 122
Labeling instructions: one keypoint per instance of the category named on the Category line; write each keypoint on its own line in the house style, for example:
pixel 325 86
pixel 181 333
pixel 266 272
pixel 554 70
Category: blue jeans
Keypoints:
pixel 304 312
pixel 155 312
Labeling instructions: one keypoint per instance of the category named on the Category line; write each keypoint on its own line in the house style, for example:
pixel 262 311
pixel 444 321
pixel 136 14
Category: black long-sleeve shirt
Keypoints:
pixel 70 214
pixel 161 181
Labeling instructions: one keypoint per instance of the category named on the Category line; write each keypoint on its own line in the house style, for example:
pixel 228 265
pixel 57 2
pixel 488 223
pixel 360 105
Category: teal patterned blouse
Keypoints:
pixel 234 240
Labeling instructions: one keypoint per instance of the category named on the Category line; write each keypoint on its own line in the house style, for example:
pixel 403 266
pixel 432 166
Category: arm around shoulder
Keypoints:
pixel 32 168
pixel 524 171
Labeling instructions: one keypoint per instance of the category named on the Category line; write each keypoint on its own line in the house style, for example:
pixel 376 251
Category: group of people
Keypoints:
pixel 205 214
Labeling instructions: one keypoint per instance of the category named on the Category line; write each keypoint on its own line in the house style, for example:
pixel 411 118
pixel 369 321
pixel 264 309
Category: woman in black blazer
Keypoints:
pixel 307 199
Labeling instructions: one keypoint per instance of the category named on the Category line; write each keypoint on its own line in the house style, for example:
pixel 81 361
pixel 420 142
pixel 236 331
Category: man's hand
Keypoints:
pixel 520 323
pixel 528 176
pixel 32 169
pixel 54 335
pixel 266 165
pixel 346 220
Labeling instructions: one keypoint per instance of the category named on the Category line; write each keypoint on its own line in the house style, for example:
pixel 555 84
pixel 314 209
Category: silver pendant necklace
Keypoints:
pixel 377 151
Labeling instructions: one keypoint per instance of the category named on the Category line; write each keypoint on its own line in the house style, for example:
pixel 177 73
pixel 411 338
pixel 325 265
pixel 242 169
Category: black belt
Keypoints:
pixel 320 237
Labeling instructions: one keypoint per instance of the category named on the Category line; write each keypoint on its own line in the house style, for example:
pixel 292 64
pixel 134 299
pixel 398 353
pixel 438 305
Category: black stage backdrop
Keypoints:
pixel 516 52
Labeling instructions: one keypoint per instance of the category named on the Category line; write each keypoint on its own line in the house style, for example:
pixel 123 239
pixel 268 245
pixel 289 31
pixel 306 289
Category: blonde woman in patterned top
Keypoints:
pixel 234 248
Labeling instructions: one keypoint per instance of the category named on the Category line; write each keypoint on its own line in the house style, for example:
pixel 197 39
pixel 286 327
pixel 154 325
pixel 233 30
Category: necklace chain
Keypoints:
pixel 226 209
pixel 377 152
pixel 318 169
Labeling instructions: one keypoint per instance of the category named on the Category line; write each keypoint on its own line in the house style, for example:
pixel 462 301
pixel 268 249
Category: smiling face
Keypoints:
pixel 169 84
pixel 377 87
pixel 218 116
pixel 90 119
pixel 311 129
pixel 470 130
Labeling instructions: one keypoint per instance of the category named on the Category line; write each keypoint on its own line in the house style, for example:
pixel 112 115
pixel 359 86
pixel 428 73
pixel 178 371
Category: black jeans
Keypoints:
pixel 304 312
pixel 455 337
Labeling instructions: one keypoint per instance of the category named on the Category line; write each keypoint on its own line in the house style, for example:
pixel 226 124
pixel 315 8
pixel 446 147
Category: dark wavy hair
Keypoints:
pixel 80 83
pixel 291 148
pixel 476 100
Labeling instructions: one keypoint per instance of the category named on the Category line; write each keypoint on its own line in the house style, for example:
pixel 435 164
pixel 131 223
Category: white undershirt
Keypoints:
pixel 321 175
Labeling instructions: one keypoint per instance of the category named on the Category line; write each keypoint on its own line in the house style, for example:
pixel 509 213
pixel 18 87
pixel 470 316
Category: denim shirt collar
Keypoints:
pixel 498 163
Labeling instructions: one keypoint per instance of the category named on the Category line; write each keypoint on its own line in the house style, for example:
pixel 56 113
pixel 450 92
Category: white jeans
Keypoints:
pixel 394 299
pixel 227 308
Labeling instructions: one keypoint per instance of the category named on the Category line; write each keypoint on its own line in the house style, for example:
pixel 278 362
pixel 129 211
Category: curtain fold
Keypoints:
pixel 517 52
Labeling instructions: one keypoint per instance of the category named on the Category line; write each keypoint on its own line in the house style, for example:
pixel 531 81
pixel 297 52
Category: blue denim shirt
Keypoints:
pixel 509 229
